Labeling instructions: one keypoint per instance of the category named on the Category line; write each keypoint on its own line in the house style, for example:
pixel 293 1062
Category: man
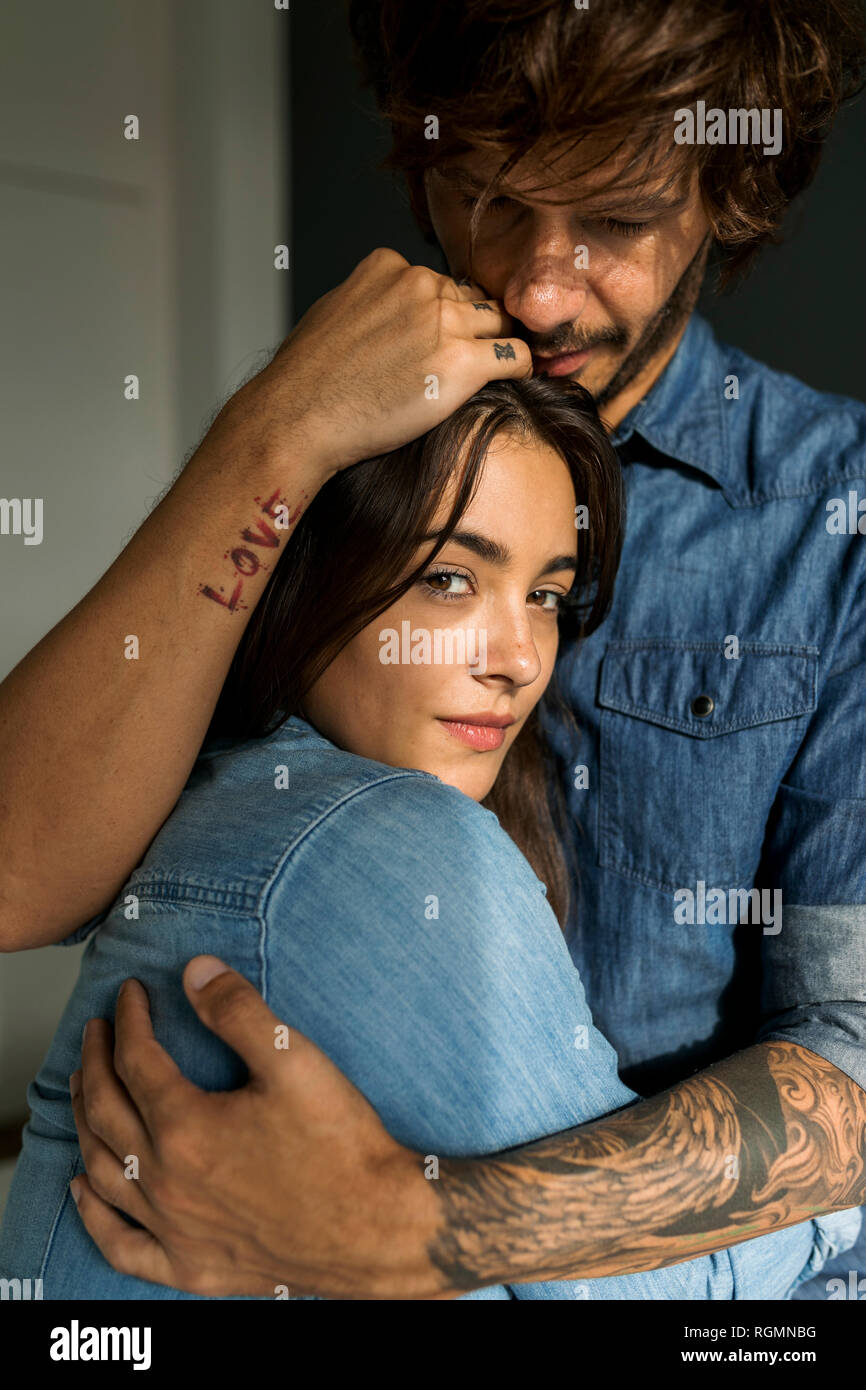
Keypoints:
pixel 717 790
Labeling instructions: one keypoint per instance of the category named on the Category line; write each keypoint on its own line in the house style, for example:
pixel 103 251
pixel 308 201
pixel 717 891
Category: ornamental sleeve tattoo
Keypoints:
pixel 769 1137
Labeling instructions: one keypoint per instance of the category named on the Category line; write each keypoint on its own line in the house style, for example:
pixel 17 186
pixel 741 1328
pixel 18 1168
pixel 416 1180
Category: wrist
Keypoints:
pixel 257 441
pixel 285 437
pixel 408 1220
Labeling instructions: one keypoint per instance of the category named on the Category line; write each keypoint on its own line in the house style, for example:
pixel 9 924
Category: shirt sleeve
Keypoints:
pixel 814 968
pixel 410 939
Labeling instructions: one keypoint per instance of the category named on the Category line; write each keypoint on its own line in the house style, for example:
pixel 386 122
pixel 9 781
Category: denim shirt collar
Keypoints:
pixel 682 415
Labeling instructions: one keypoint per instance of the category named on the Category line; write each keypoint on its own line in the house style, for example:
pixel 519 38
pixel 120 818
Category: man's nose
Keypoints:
pixel 547 286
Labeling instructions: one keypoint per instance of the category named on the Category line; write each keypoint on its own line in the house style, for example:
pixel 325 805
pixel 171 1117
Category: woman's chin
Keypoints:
pixel 472 782
pixel 471 772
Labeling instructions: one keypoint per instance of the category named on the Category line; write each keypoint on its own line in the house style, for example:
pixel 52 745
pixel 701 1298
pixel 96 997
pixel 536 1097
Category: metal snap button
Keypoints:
pixel 702 705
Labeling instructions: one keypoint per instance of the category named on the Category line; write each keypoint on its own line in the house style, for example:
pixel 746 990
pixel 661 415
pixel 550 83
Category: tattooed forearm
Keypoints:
pixel 247 562
pixel 764 1139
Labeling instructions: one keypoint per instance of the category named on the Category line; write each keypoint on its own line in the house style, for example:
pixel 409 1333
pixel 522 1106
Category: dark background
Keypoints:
pixel 801 310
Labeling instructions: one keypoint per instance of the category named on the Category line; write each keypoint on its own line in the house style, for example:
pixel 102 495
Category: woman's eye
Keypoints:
pixel 611 224
pixel 547 600
pixel 447 583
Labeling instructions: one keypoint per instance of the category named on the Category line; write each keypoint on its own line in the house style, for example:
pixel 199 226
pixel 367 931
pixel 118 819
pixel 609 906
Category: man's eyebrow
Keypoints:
pixel 641 203
pixel 637 202
pixel 454 174
pixel 496 554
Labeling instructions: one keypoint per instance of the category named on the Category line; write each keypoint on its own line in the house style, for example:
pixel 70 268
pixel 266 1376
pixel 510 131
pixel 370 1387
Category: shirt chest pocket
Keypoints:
pixel 694 744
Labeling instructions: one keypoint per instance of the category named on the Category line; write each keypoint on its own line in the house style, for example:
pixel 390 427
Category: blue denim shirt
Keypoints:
pixel 730 468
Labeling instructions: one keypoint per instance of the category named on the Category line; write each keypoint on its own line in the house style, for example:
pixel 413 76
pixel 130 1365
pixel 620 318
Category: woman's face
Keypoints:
pixel 444 680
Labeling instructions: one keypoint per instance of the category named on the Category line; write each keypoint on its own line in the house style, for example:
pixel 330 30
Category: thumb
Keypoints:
pixel 322 1098
pixel 232 1008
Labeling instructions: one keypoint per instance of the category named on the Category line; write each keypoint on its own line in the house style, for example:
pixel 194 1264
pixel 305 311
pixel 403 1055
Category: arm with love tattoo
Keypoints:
pixel 247 562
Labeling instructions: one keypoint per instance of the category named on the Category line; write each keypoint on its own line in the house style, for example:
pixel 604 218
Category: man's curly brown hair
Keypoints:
pixel 505 77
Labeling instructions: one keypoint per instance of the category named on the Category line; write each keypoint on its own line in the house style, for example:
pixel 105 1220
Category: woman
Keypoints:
pixel 351 837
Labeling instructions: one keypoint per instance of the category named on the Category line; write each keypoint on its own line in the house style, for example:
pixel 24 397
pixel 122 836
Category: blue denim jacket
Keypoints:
pixel 730 468
pixel 392 920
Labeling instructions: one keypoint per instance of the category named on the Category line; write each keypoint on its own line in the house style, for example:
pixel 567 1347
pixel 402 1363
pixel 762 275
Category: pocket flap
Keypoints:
pixel 694 688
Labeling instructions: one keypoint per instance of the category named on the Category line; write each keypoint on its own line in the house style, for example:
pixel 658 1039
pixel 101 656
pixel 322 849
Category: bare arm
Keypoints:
pixel 95 748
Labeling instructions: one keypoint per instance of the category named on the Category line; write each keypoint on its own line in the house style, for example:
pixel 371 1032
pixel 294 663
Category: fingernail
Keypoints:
pixel 75 1084
pixel 75 1189
pixel 204 969
pixel 84 1032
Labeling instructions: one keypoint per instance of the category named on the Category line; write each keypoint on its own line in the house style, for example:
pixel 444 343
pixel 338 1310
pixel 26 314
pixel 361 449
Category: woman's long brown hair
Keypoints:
pixel 349 560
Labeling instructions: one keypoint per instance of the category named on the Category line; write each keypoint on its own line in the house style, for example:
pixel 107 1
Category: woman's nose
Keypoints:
pixel 511 654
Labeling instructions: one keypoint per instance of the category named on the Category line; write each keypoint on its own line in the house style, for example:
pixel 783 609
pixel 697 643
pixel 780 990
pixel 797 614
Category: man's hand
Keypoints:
pixel 290 1182
pixel 381 359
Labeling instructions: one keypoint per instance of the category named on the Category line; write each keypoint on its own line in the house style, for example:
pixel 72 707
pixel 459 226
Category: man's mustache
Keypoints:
pixel 557 344
pixel 561 341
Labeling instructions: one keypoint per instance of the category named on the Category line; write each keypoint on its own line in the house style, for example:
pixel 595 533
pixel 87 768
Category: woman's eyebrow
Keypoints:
pixel 560 562
pixel 482 546
pixel 497 554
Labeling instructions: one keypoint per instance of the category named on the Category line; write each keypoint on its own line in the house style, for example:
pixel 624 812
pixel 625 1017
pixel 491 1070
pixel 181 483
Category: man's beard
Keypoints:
pixel 663 326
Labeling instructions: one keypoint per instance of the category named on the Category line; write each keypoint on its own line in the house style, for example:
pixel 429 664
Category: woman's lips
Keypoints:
pixel 484 737
pixel 560 366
